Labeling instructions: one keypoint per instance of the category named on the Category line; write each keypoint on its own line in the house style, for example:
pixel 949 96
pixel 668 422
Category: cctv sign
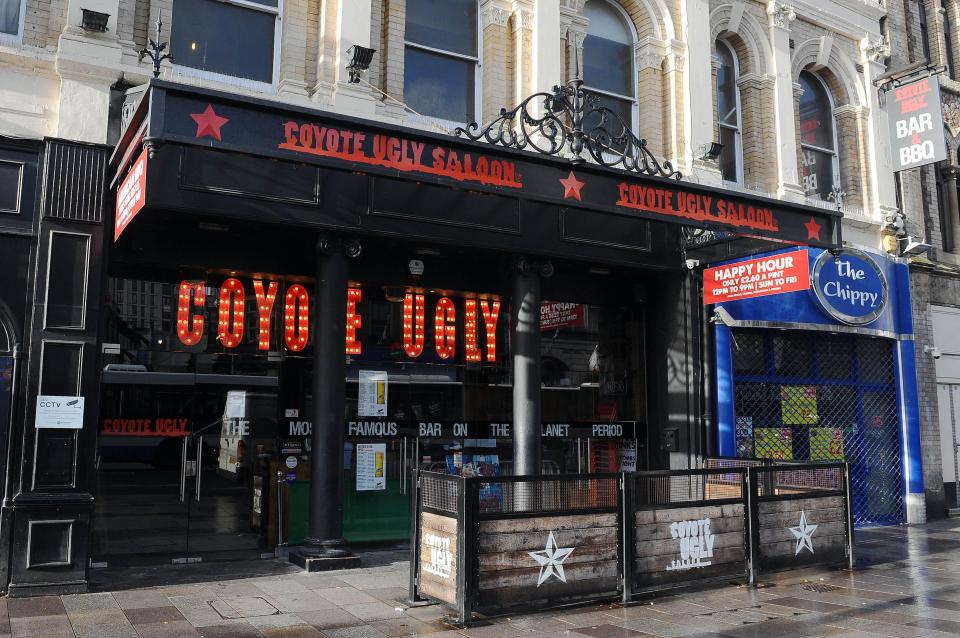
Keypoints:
pixel 916 124
pixel 59 412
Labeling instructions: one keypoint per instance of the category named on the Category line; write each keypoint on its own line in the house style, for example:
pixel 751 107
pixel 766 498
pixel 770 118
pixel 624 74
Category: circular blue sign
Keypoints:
pixel 849 286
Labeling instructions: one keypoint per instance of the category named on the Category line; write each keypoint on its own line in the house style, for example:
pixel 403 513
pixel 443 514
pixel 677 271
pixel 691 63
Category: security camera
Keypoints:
pixel 692 263
pixel 933 351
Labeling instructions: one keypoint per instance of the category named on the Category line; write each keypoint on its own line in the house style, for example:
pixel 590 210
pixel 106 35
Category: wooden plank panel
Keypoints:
pixel 672 546
pixel 438 566
pixel 510 560
pixel 783 534
pixel 658 531
pixel 554 523
pixel 439 523
pixel 525 578
pixel 660 562
pixel 795 505
pixel 784 519
pixel 537 539
pixel 644 517
pixel 789 548
pixel 552 590
pixel 660 577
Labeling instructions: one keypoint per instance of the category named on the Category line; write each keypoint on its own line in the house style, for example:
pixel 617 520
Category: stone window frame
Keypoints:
pixel 16 38
pixel 477 72
pixel 256 85
pixel 635 98
pixel 720 125
pixel 835 151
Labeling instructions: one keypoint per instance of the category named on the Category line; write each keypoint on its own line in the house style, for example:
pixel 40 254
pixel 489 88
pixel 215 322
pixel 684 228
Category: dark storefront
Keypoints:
pixel 298 309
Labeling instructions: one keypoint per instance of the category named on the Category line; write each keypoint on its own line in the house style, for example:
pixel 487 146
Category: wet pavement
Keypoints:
pixel 907 584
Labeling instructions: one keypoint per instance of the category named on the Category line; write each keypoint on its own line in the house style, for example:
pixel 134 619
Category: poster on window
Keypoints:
pixel 371 466
pixel 826 444
pixel 372 395
pixel 798 404
pixel 916 124
pixel 561 314
pixel 774 443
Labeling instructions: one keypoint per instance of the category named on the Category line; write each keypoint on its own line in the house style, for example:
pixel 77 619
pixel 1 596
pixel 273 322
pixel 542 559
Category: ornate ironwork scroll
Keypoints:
pixel 559 130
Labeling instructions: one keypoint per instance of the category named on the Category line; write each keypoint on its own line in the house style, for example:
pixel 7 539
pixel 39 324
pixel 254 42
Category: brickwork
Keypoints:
pixel 36 22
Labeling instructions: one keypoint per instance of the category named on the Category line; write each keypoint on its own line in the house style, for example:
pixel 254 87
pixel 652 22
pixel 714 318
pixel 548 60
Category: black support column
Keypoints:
pixel 324 546
pixel 526 366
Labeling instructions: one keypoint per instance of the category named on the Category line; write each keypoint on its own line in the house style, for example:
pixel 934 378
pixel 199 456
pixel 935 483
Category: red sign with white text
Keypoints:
pixel 559 314
pixel 786 272
pixel 132 195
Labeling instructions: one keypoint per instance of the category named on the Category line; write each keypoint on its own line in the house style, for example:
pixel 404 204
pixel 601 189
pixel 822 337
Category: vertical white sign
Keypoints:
pixel 59 412
pixel 371 466
pixel 372 395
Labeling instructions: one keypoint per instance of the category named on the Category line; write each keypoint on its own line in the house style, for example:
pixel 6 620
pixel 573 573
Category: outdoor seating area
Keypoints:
pixel 493 545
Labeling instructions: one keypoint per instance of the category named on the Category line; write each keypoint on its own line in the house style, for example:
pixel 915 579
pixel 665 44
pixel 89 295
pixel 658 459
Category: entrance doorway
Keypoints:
pixel 175 465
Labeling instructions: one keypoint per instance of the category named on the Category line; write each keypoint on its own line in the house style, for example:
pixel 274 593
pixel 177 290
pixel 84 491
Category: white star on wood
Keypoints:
pixel 551 560
pixel 804 534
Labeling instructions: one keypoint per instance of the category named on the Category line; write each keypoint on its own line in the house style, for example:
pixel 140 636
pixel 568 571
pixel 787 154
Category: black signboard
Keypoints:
pixel 227 122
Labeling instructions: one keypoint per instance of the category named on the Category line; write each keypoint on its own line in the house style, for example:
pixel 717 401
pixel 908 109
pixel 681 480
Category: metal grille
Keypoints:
pixel 440 492
pixel 810 396
pixel 543 494
pixel 669 488
pixel 781 482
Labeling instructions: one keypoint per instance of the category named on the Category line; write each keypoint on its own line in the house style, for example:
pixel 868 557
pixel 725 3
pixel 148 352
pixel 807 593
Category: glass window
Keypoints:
pixel 728 113
pixel 61 364
pixel 608 65
pixel 11 176
pixel 948 36
pixel 10 17
pixel 440 63
pixel 66 280
pixel 923 27
pixel 229 39
pixel 819 165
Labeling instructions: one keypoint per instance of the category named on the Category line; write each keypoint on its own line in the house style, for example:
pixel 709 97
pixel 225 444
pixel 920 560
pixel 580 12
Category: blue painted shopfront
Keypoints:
pixel 826 374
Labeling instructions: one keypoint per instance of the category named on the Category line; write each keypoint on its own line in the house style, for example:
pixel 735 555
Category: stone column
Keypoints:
pixel 855 167
pixel 494 16
pixel 523 57
pixel 702 116
pixel 758 131
pixel 675 103
pixel 525 324
pixel 881 184
pixel 780 16
pixel 293 49
pixel 353 18
pixel 648 57
pixel 951 208
pixel 548 55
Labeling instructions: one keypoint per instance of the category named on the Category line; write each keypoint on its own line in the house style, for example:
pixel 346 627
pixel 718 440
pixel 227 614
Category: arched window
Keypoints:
pixel 441 59
pixel 820 166
pixel 608 59
pixel 728 114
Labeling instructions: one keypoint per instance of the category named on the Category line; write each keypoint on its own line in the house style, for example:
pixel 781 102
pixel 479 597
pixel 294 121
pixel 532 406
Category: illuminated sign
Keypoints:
pixel 131 196
pixel 173 426
pixel 479 320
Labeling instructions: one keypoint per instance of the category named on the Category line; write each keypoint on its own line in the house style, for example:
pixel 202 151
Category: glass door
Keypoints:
pixel 143 463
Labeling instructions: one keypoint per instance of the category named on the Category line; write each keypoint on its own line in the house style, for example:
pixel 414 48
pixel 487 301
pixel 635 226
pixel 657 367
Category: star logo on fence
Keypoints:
pixel 804 534
pixel 550 559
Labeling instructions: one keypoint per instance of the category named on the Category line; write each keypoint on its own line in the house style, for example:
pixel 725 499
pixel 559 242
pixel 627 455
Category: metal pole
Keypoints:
pixel 846 497
pixel 526 369
pixel 325 536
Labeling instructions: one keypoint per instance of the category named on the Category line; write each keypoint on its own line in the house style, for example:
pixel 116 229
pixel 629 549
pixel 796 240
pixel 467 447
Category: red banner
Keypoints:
pixel 560 314
pixel 132 195
pixel 786 272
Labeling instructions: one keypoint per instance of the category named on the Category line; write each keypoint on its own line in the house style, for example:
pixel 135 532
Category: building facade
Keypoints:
pixel 261 210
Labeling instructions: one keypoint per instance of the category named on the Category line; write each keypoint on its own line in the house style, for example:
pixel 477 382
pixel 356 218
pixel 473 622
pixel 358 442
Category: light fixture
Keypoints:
pixel 360 58
pixel 914 247
pixel 94 21
pixel 353 248
pixel 712 152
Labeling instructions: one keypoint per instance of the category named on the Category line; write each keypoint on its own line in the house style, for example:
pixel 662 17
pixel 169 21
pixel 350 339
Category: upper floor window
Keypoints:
pixel 233 38
pixel 441 59
pixel 820 167
pixel 728 114
pixel 608 60
pixel 923 28
pixel 11 19
pixel 948 36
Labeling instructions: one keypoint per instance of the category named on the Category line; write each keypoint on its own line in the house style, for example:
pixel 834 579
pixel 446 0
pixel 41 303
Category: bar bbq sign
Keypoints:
pixel 916 124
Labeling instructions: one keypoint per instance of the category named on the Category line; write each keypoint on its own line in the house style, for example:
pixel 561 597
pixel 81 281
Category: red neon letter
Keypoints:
pixel 470 330
pixel 445 328
pixel 296 318
pixel 230 324
pixel 413 321
pixel 353 320
pixel 490 322
pixel 188 334
pixel 265 309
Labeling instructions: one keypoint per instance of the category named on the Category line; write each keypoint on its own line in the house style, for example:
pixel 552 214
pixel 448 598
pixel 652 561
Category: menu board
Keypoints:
pixel 371 466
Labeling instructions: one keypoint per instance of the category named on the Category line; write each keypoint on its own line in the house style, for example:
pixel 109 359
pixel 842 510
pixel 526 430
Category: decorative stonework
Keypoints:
pixel 494 15
pixel 780 14
pixel 951 114
pixel 874 50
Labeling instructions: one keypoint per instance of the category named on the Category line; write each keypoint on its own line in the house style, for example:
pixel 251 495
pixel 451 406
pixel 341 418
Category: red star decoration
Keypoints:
pixel 813 229
pixel 208 123
pixel 571 187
